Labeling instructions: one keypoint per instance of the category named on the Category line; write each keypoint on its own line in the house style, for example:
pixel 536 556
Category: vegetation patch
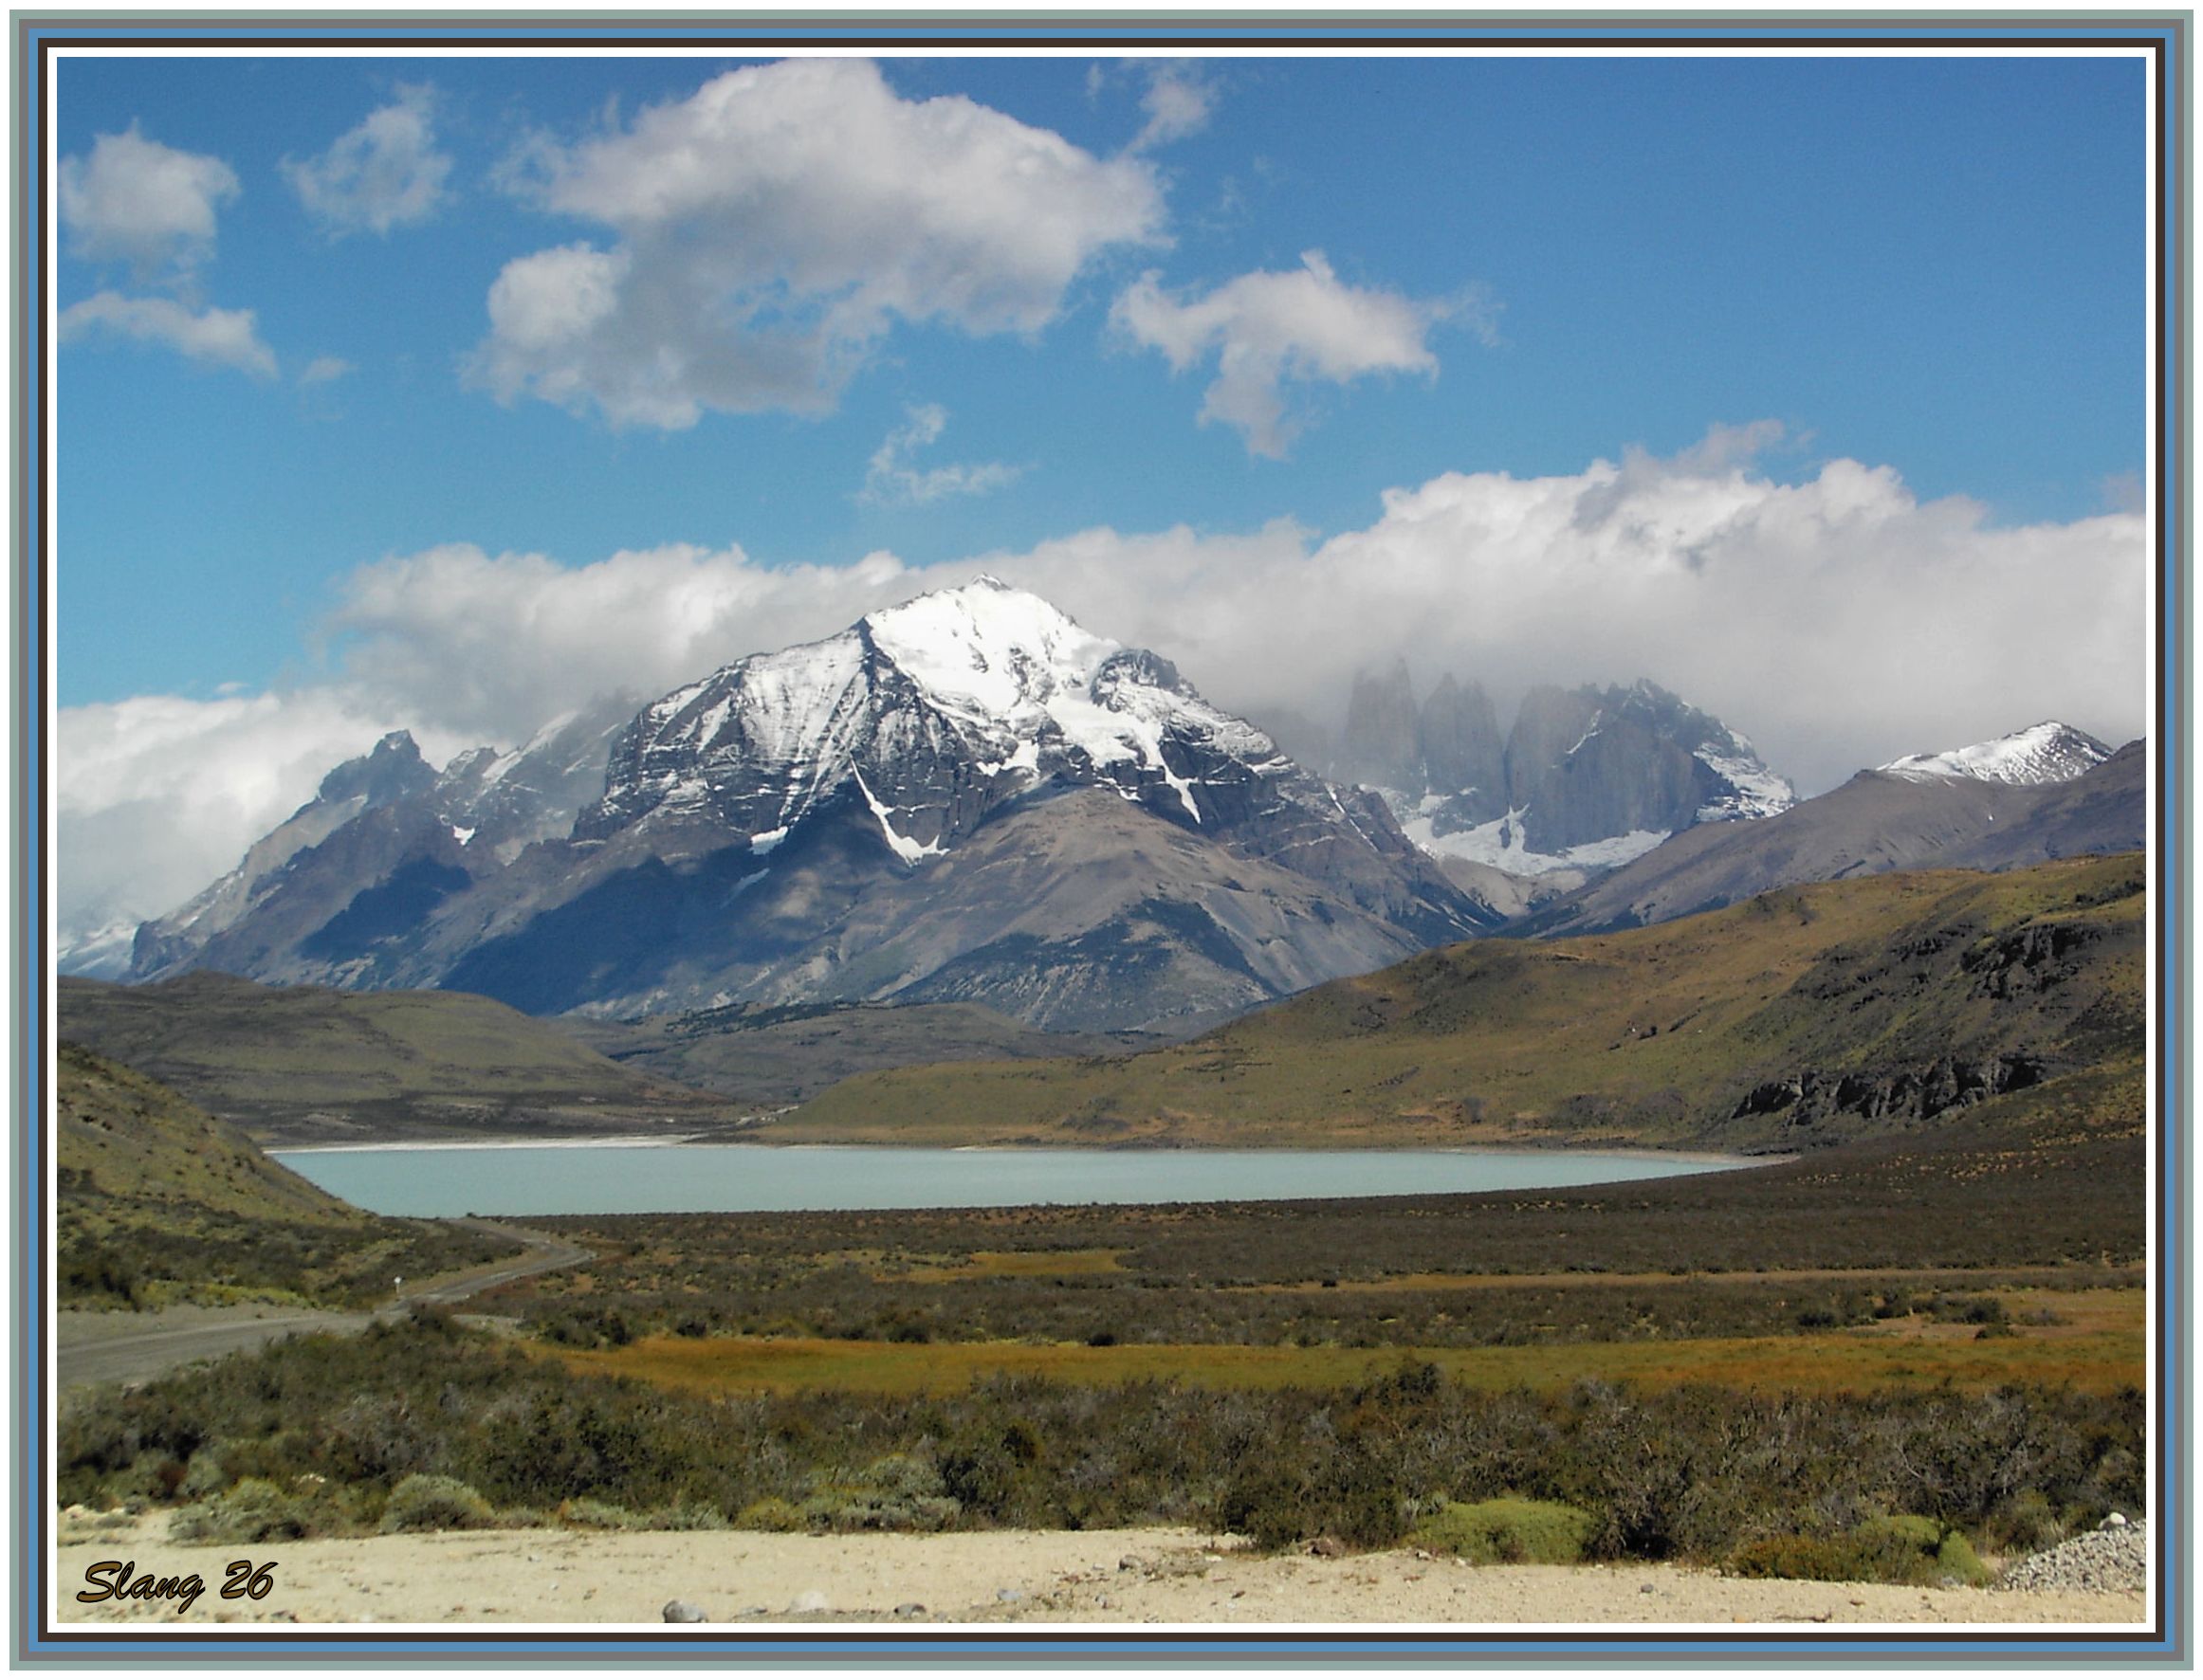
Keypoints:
pixel 1905 1550
pixel 428 1502
pixel 1507 1531
pixel 319 1433
pixel 1847 1361
pixel 161 1202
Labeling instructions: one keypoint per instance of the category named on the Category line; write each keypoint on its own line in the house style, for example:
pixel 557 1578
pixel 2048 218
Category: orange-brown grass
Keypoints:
pixel 1013 1263
pixel 1959 1277
pixel 2078 1313
pixel 2096 1360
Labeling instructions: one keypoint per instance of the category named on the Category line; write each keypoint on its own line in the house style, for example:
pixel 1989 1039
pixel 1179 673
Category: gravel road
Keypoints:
pixel 95 1347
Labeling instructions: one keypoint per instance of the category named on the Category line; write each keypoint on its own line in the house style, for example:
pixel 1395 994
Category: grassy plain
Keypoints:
pixel 2102 1359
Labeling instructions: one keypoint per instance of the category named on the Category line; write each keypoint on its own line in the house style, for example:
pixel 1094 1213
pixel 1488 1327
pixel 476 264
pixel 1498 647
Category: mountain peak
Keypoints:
pixel 2042 752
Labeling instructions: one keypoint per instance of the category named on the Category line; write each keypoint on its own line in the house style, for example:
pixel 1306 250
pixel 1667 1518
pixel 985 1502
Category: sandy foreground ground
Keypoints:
pixel 548 1577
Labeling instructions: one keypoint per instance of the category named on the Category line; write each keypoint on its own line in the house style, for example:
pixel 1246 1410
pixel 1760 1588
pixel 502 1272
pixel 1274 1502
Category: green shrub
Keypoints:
pixel 1904 1551
pixel 420 1503
pixel 2027 1522
pixel 897 1492
pixel 683 1517
pixel 250 1513
pixel 1507 1531
pixel 770 1516
pixel 595 1513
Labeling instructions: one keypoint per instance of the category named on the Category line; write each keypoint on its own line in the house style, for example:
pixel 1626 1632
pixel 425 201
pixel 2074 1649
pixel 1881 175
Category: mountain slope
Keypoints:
pixel 159 1200
pixel 1803 1017
pixel 763 1056
pixel 305 1065
pixel 1874 822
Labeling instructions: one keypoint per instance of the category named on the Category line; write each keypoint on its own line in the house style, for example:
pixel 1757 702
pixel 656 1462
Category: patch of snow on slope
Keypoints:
pixel 1498 844
pixel 902 846
pixel 2047 752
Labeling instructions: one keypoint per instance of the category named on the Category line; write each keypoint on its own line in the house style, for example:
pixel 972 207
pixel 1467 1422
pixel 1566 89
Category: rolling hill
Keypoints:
pixel 300 1065
pixel 1800 1018
pixel 160 1201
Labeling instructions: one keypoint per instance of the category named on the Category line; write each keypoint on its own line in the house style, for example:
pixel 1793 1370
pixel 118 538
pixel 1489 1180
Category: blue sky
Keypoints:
pixel 1931 264
pixel 443 393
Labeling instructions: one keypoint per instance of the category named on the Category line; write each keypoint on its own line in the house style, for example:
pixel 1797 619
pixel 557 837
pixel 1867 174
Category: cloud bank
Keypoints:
pixel 767 232
pixel 1837 621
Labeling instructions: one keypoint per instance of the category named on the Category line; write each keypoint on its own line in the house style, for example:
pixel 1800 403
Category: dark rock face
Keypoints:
pixel 1462 750
pixel 1579 766
pixel 1383 734
pixel 383 844
pixel 1813 1098
pixel 815 824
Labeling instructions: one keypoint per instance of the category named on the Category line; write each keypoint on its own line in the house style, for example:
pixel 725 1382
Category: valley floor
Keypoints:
pixel 548 1577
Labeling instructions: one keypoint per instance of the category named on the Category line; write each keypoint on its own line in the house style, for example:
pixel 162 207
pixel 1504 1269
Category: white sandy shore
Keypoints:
pixel 1158 1577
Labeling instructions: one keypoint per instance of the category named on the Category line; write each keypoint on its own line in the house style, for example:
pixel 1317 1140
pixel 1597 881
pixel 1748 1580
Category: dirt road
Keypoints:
pixel 95 1347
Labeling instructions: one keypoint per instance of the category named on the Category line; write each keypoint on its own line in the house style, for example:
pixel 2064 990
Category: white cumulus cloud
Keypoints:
pixel 384 173
pixel 891 477
pixel 767 232
pixel 1268 330
pixel 1839 621
pixel 227 337
pixel 138 201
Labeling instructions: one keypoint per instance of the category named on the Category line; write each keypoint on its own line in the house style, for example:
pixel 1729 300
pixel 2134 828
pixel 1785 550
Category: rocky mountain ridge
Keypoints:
pixel 1880 821
pixel 794 827
pixel 1585 778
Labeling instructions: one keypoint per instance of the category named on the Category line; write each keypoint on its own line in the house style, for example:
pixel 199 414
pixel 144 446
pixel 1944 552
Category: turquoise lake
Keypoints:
pixel 448 1180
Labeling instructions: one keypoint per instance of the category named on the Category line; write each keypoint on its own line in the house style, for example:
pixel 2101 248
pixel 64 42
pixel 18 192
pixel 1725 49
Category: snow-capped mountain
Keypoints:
pixel 1586 781
pixel 1876 821
pixel 2046 752
pixel 907 808
pixel 932 712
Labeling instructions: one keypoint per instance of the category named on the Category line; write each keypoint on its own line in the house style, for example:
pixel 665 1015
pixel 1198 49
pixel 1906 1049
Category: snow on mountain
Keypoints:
pixel 1504 842
pixel 2049 752
pixel 932 712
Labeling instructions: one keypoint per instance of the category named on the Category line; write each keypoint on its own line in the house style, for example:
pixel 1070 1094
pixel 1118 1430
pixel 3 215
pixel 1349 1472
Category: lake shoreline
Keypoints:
pixel 706 1141
pixel 526 1180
